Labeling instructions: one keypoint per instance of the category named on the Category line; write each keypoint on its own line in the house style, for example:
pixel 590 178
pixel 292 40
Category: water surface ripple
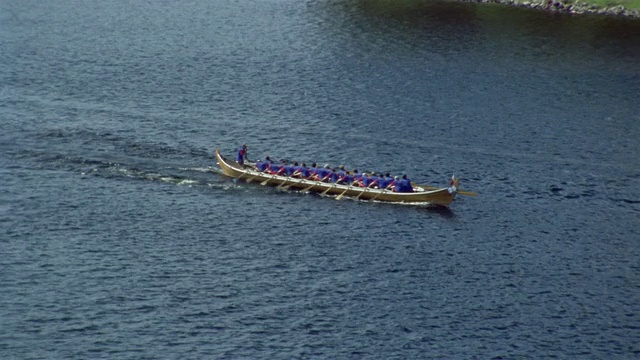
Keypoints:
pixel 120 239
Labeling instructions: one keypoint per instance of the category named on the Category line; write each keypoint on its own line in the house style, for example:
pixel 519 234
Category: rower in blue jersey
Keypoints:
pixel 366 180
pixel 357 178
pixel 276 168
pixel 301 171
pixel 343 177
pixel 374 181
pixel 386 181
pixel 404 185
pixel 263 165
pixel 313 171
pixel 348 178
pixel 283 169
pixel 242 155
pixel 328 174
pixel 290 169
pixel 323 173
pixel 382 181
pixel 401 186
pixel 408 185
pixel 394 183
pixel 334 176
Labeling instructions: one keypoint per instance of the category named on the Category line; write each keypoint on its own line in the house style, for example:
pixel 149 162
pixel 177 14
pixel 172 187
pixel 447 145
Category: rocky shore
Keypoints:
pixel 565 6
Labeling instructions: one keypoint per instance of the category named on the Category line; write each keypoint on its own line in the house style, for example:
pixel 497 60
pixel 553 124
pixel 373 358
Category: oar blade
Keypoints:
pixel 326 191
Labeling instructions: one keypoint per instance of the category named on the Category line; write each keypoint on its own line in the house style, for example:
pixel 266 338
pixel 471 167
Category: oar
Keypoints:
pixel 364 191
pixel 273 177
pixel 461 192
pixel 267 181
pixel 381 191
pixel 339 197
pixel 309 188
pixel 255 176
pixel 293 176
pixel 330 187
pixel 250 178
pixel 283 187
pixel 375 197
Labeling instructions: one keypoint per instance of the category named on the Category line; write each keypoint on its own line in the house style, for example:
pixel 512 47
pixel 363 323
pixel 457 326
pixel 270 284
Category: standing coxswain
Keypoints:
pixel 242 155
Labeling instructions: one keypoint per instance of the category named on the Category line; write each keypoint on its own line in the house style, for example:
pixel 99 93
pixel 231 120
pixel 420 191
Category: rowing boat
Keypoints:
pixel 422 194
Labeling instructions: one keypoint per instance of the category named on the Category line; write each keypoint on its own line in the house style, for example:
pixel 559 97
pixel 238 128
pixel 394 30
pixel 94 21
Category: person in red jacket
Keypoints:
pixel 242 155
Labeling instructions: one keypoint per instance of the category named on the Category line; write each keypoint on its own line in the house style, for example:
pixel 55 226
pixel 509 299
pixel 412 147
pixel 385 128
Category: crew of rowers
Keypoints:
pixel 338 176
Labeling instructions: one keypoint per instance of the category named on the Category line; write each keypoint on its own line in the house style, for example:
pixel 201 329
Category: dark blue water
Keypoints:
pixel 119 239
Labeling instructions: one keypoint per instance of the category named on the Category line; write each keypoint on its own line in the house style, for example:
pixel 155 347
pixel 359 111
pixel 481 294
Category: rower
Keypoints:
pixel 383 181
pixel 334 176
pixel 346 178
pixel 275 169
pixel 404 185
pixel 323 173
pixel 282 169
pixel 366 180
pixel 394 183
pixel 301 171
pixel 357 178
pixel 313 172
pixel 290 169
pixel 375 181
pixel 263 165
pixel 389 182
pixel 408 186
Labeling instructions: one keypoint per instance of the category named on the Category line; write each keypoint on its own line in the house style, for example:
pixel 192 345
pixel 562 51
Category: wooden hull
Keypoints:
pixel 438 196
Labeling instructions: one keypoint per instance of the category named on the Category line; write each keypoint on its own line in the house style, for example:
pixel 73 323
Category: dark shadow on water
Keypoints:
pixel 458 25
pixel 442 211
pixel 413 21
pixel 445 212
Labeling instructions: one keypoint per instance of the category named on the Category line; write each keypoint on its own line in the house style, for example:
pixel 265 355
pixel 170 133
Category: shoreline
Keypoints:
pixel 567 7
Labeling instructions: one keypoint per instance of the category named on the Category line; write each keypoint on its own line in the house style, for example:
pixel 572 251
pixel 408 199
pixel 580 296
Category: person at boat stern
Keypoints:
pixel 404 185
pixel 242 155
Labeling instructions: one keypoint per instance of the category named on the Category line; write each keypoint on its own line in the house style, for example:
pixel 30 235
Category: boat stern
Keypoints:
pixel 454 184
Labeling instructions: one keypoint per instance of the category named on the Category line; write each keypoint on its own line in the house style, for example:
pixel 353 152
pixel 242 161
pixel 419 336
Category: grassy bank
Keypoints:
pixel 616 8
pixel 624 8
pixel 627 4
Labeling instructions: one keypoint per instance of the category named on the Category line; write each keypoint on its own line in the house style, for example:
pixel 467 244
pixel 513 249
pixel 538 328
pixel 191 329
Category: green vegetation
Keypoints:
pixel 628 4
pixel 604 7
